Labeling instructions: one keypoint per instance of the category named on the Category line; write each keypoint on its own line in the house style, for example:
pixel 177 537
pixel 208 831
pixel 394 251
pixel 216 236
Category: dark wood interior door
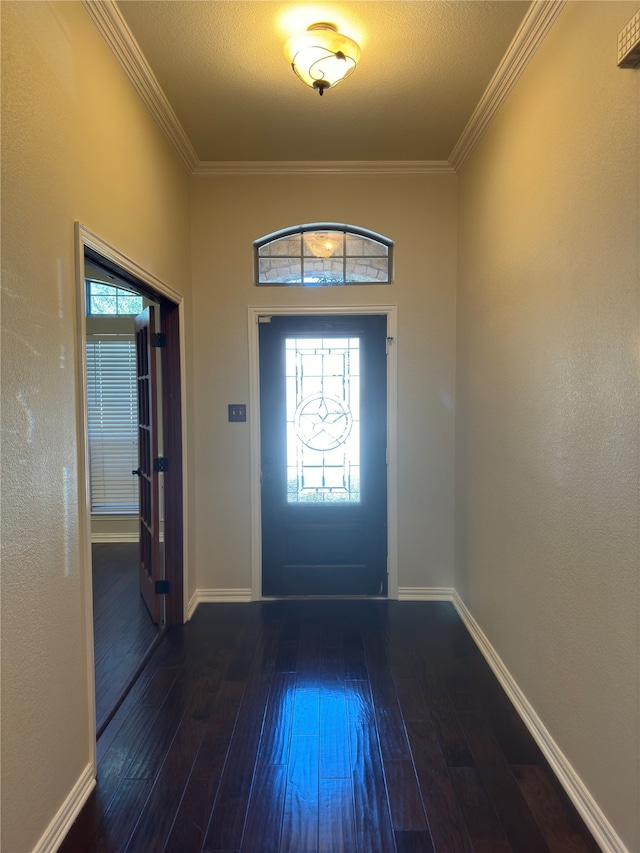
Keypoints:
pixel 323 455
pixel 149 512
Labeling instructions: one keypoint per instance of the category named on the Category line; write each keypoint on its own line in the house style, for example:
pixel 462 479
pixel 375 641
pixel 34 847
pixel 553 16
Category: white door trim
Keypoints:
pixel 86 238
pixel 254 312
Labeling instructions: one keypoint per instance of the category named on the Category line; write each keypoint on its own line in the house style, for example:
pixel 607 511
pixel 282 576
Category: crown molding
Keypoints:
pixel 325 167
pixel 115 31
pixel 528 38
pixel 118 36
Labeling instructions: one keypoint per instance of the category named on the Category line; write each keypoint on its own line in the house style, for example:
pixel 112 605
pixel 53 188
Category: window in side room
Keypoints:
pixel 112 396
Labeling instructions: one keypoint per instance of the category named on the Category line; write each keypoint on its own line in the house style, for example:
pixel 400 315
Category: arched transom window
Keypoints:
pixel 323 254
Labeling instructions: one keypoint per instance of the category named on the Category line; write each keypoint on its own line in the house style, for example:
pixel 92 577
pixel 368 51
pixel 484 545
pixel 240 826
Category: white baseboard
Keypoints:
pixel 68 812
pixel 217 596
pixel 591 813
pixel 408 593
pixel 108 538
pixel 425 593
pixel 192 604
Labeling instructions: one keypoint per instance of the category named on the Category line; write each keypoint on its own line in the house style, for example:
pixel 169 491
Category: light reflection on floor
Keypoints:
pixel 323 736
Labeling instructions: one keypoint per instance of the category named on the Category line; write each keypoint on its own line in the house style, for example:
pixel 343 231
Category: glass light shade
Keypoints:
pixel 322 57
pixel 322 244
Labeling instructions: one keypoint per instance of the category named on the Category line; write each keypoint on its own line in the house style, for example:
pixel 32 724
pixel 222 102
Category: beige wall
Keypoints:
pixel 547 397
pixel 419 213
pixel 77 144
pixel 547 391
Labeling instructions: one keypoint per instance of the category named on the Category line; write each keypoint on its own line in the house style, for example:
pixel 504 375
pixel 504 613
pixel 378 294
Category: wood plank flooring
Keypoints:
pixel 123 632
pixel 348 726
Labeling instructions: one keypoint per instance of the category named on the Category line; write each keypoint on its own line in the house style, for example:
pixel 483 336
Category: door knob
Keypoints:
pixel 137 472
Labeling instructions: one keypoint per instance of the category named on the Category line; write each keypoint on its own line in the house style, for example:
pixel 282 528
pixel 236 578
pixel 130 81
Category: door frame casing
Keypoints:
pixel 86 239
pixel 254 313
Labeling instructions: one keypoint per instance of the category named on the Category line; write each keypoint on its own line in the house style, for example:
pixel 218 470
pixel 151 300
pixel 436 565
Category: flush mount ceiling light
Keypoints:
pixel 322 56
pixel 322 244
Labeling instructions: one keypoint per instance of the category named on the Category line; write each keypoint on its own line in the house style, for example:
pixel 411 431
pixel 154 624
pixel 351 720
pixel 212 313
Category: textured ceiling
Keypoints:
pixel 424 67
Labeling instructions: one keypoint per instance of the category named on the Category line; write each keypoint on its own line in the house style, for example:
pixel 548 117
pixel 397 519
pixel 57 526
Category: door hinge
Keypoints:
pixel 160 463
pixel 158 339
pixel 162 588
pixel 264 318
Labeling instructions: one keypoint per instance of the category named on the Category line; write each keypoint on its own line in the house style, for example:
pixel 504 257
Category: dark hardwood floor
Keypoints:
pixel 123 632
pixel 326 725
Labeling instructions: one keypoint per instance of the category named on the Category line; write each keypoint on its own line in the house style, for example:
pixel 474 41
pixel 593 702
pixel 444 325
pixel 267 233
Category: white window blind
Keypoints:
pixel 113 423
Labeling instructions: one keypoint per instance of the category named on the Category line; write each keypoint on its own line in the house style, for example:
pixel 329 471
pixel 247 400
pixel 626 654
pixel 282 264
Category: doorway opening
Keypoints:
pixel 133 461
pixel 324 451
pixel 128 620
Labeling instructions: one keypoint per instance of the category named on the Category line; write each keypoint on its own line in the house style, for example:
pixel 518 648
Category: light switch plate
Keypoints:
pixel 237 412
